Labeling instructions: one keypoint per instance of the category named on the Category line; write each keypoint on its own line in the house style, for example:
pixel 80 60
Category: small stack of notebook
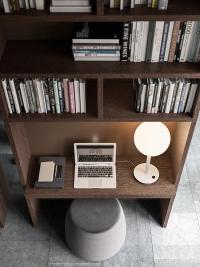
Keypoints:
pixel 51 172
pixel 71 6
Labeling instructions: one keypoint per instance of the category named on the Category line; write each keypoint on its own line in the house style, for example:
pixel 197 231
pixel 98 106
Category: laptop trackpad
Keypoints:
pixel 95 183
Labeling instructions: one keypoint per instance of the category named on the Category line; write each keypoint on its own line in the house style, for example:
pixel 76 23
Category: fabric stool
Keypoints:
pixel 95 228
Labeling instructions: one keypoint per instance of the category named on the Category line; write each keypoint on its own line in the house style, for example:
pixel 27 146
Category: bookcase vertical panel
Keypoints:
pixel 20 146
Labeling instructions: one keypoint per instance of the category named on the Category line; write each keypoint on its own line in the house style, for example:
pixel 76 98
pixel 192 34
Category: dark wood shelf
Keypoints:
pixel 177 10
pixel 127 186
pixel 53 59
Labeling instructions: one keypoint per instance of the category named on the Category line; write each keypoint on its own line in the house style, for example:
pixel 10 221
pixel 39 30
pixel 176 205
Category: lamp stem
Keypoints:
pixel 147 164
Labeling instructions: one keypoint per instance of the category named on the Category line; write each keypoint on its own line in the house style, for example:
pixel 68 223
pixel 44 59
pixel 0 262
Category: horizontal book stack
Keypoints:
pixel 165 95
pixel 92 44
pixel 70 6
pixel 48 95
pixel 161 41
pixel 15 5
pixel 121 4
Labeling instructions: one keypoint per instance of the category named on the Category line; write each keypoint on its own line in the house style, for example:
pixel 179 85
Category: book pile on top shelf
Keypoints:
pixel 48 95
pixel 91 43
pixel 161 41
pixel 165 95
pixel 71 6
pixel 121 4
pixel 15 5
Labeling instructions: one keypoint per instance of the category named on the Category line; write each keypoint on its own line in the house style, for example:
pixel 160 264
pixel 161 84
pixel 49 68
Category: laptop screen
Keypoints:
pixel 95 152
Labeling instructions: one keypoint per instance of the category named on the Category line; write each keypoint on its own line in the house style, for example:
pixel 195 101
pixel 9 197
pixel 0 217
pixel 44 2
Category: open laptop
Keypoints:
pixel 95 165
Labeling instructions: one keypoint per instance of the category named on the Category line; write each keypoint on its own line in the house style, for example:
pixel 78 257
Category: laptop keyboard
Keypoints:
pixel 96 172
pixel 95 158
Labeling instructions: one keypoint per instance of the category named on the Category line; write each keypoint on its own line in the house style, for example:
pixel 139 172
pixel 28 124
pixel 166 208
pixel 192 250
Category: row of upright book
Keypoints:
pixel 161 41
pixel 121 4
pixel 15 5
pixel 165 95
pixel 48 95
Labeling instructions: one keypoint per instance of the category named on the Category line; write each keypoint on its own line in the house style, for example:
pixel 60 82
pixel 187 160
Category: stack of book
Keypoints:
pixel 80 6
pixel 165 95
pixel 121 4
pixel 15 5
pixel 45 95
pixel 51 173
pixel 161 41
pixel 91 43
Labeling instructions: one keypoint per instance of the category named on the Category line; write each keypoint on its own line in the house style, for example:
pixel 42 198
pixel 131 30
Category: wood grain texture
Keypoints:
pixel 165 210
pixel 4 197
pixel 127 186
pixel 54 59
pixel 33 206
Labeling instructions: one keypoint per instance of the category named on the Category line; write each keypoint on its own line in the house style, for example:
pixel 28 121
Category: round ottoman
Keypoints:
pixel 95 228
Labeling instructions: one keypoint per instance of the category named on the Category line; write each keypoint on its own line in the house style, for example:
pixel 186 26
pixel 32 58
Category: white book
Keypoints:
pixel 43 97
pixel 70 3
pixel 85 58
pixel 191 97
pixel 70 9
pixel 14 94
pixel 40 4
pixel 170 96
pixel 77 95
pixel 138 37
pixel 157 41
pixel 95 41
pixel 184 100
pixel 137 2
pixel 132 3
pixel 112 3
pixel 194 47
pixel 24 97
pixel 133 36
pixel 121 5
pixel 82 96
pixel 7 7
pixel 151 86
pixel 143 97
pixel 55 88
pixel 32 3
pixel 96 54
pixel 46 173
pixel 144 39
pixel 187 40
pixel 169 38
pixel 159 91
pixel 178 96
pixel 40 96
pixel 4 83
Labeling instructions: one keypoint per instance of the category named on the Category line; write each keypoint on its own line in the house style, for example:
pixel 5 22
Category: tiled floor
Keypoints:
pixel 147 244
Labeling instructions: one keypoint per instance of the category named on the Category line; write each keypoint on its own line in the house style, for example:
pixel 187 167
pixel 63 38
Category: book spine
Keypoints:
pixel 61 99
pixel 138 95
pixel 178 96
pixel 33 94
pixel 46 94
pixel 196 41
pixel 21 3
pixel 77 95
pixel 14 94
pixel 66 94
pixel 38 95
pixel 185 96
pixel 169 39
pixel 187 40
pixel 56 94
pixel 154 3
pixel 7 6
pixel 27 4
pixel 143 97
pixel 82 96
pixel 149 3
pixel 125 41
pixel 52 96
pixel 160 87
pixel 179 41
pixel 150 97
pixel 170 96
pixel 139 41
pixel 121 4
pixel 144 40
pixel 164 41
pixel 180 106
pixel 174 41
pixel 72 97
pixel 162 4
pixel 132 3
pixel 191 97
pixel 19 95
pixel 150 40
pixel 133 36
pixel 157 41
pixel 28 90
pixel 14 5
pixel 4 84
pixel 153 108
pixel 43 97
pixel 24 97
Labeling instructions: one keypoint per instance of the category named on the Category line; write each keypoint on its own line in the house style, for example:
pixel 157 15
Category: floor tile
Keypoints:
pixel 177 263
pixel 23 254
pixel 58 264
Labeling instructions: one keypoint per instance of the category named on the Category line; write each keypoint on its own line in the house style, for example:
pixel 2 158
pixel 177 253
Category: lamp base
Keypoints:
pixel 149 177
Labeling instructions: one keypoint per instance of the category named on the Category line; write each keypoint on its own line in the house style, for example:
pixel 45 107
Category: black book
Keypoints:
pixel 52 96
pixel 10 96
pixel 178 43
pixel 125 41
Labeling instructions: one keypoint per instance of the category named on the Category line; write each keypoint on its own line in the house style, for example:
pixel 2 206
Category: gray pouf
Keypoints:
pixel 95 228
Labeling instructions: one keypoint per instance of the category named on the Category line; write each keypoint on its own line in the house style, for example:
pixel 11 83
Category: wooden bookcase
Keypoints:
pixel 4 197
pixel 37 44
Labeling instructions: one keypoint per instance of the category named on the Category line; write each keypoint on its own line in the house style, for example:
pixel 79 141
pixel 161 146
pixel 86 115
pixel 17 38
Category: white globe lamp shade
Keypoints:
pixel 151 139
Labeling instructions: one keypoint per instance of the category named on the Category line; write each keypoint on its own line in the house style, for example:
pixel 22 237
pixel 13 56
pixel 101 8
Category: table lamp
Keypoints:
pixel 151 139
